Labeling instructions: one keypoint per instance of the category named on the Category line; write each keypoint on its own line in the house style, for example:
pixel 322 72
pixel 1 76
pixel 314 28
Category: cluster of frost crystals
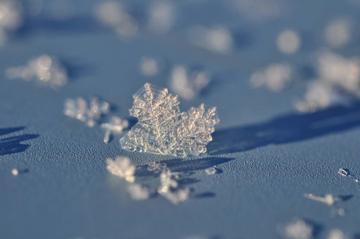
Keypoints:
pixel 275 77
pixel 170 189
pixel 121 167
pixel 188 83
pixel 45 69
pixel 88 112
pixel 115 16
pixel 218 39
pixel 299 229
pixel 338 83
pixel 163 129
pixel 11 18
pixel 116 125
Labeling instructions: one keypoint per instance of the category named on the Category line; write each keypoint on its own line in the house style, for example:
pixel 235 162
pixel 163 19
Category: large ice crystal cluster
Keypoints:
pixel 163 129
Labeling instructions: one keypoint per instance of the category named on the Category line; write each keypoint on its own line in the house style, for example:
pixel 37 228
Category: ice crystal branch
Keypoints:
pixel 163 129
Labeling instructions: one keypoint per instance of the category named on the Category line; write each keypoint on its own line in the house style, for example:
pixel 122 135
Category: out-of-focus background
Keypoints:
pixel 284 76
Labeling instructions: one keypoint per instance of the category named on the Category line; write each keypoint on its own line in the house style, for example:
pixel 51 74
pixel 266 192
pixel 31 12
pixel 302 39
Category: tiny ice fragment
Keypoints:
pixel 288 41
pixel 218 39
pixel 178 196
pixel 88 112
pixel 188 83
pixel 121 167
pixel 114 15
pixel 11 18
pixel 211 171
pixel 336 234
pixel 138 192
pixel 116 125
pixel 15 172
pixel 44 69
pixel 344 172
pixel 149 66
pixel 163 129
pixel 275 77
pixel 299 229
pixel 338 33
pixel 327 199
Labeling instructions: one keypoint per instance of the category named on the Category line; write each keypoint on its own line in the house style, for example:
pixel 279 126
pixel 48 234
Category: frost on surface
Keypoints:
pixel 149 66
pixel 327 199
pixel 170 189
pixel 299 229
pixel 121 167
pixel 11 18
pixel 44 69
pixel 88 112
pixel 275 77
pixel 116 125
pixel 188 83
pixel 115 16
pixel 163 129
pixel 138 192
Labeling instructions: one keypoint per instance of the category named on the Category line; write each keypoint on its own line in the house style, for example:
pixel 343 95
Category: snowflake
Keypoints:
pixel 121 167
pixel 87 112
pixel 163 129
pixel 45 69
pixel 116 125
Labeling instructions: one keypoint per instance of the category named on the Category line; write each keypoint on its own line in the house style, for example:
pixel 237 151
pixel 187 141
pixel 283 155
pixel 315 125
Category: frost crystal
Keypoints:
pixel 138 192
pixel 116 125
pixel 336 234
pixel 11 18
pixel 45 69
pixel 288 42
pixel 299 229
pixel 87 112
pixel 327 199
pixel 121 167
pixel 188 84
pixel 163 129
pixel 338 33
pixel 169 187
pixel 211 171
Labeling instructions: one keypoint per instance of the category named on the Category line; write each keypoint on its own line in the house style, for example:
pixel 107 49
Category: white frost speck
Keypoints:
pixel 327 199
pixel 336 234
pixel 162 16
pixel 299 229
pixel 15 172
pixel 138 192
pixel 338 33
pixel 288 41
pixel 149 66
pixel 121 167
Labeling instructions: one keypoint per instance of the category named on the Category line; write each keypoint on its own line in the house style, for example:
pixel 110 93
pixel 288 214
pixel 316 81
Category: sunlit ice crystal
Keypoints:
pixel 298 229
pixel 288 41
pixel 89 112
pixel 122 167
pixel 11 18
pixel 116 125
pixel 188 83
pixel 45 69
pixel 163 129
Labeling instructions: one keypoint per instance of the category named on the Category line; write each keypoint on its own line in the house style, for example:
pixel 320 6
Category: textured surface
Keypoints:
pixel 269 155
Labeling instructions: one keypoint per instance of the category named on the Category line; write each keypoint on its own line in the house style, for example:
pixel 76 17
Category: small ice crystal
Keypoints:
pixel 188 83
pixel 114 15
pixel 116 125
pixel 327 199
pixel 163 129
pixel 336 234
pixel 45 69
pixel 170 189
pixel 156 167
pixel 121 167
pixel 161 16
pixel 149 66
pixel 87 112
pixel 344 172
pixel 275 77
pixel 178 196
pixel 288 41
pixel 138 192
pixel 338 33
pixel 211 171
pixel 299 229
pixel 168 180
pixel 15 172
pixel 11 18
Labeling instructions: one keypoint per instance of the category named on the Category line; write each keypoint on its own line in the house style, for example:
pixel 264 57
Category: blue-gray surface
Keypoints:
pixel 269 155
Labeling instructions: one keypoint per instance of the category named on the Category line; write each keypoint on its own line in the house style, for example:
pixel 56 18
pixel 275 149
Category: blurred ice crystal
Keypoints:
pixel 299 229
pixel 115 16
pixel 288 41
pixel 169 187
pixel 45 69
pixel 163 129
pixel 258 10
pixel 11 18
pixel 122 167
pixel 178 196
pixel 188 83
pixel 338 33
pixel 149 66
pixel 161 16
pixel 138 192
pixel 156 167
pixel 336 234
pixel 88 112
pixel 211 170
pixel 275 76
pixel 327 199
pixel 218 39
pixel 116 125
